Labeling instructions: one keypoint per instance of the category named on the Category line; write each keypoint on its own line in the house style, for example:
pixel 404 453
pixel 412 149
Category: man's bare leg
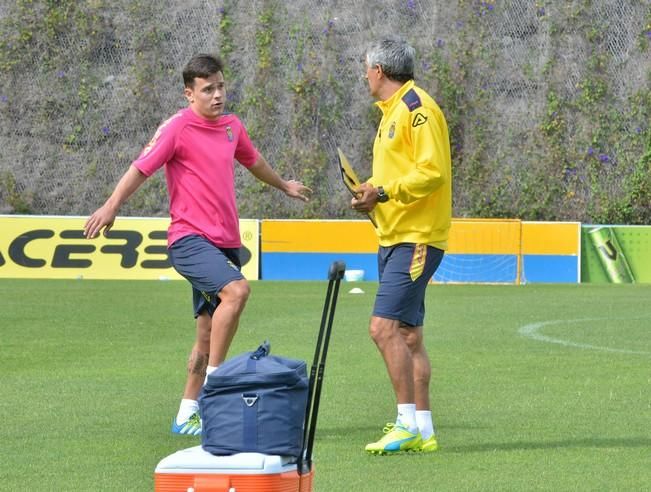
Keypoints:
pixel 397 357
pixel 198 360
pixel 398 361
pixel 197 363
pixel 421 367
pixel 226 318
pixel 422 371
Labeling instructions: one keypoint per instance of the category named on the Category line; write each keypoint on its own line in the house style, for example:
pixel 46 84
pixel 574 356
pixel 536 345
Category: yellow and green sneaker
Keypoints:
pixel 396 438
pixel 428 445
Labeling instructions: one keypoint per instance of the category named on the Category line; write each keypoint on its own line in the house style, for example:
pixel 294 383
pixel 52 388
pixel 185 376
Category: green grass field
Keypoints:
pixel 535 387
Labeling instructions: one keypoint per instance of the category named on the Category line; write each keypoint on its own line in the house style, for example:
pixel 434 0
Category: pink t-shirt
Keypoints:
pixel 199 155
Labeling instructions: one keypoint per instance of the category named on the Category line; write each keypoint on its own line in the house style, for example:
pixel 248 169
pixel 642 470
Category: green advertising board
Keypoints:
pixel 615 254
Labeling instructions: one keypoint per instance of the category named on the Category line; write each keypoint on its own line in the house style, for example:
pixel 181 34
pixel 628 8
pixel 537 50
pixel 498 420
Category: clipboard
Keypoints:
pixel 351 181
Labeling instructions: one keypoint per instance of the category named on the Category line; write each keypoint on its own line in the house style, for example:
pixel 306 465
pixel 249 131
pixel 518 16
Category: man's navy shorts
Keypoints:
pixel 405 270
pixel 207 267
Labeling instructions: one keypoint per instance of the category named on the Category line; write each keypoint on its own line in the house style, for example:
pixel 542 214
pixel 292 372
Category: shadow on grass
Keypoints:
pixel 449 447
pixel 632 442
pixel 346 432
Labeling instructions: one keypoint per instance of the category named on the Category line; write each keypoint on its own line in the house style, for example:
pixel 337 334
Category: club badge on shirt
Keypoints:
pixel 392 129
pixel 229 133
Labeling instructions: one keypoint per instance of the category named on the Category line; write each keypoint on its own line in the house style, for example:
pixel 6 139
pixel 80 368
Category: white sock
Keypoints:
pixel 425 425
pixel 209 371
pixel 407 416
pixel 186 409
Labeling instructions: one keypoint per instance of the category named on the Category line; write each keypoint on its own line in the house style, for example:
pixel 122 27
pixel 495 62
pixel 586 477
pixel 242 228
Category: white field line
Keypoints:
pixel 532 330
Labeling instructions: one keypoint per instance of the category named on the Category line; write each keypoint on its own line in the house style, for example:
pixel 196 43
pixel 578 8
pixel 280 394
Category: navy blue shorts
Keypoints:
pixel 207 267
pixel 405 270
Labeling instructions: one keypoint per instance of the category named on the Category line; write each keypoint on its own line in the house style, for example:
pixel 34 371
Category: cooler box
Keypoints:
pixel 196 470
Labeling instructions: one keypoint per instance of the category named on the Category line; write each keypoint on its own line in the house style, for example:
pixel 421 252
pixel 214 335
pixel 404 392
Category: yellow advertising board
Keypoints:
pixel 135 248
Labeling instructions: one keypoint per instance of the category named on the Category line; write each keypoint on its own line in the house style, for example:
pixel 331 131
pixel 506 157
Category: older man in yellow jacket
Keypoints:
pixel 410 194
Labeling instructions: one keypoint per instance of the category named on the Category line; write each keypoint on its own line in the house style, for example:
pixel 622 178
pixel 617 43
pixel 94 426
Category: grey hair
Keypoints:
pixel 395 55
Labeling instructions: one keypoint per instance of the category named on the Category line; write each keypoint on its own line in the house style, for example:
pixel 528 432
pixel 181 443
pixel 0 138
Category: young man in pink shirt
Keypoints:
pixel 198 147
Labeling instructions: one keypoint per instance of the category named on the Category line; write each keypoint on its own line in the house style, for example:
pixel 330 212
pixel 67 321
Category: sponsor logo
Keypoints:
pixel 55 247
pixel 419 119
pixel 63 254
pixel 59 252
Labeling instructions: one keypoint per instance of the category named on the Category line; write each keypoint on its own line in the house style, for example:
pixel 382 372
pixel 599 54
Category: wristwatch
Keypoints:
pixel 382 197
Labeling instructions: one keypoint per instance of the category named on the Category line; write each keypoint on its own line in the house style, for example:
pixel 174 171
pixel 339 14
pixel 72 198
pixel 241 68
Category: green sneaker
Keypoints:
pixel 428 445
pixel 396 438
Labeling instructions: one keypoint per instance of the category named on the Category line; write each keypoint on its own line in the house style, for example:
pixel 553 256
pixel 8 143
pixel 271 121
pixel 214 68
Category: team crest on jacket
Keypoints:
pixel 229 133
pixel 392 129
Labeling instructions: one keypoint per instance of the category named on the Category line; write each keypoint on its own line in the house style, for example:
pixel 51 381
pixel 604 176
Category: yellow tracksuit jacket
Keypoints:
pixel 411 161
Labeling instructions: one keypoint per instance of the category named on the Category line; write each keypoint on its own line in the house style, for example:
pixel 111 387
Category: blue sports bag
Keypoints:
pixel 255 402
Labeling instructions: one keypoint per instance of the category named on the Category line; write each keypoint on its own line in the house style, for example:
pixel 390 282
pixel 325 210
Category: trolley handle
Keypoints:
pixel 337 269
